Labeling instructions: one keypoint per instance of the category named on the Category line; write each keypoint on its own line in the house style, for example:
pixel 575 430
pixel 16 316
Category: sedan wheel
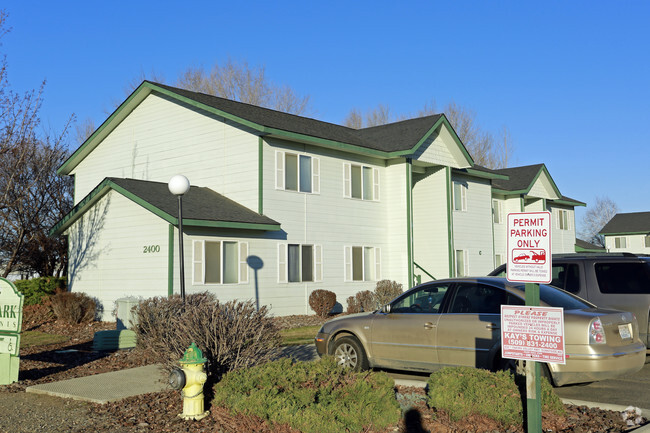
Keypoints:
pixel 349 354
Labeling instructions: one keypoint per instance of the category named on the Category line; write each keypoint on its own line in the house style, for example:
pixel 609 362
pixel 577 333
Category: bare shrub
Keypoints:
pixel 386 291
pixel 366 300
pixel 353 305
pixel 231 335
pixel 322 301
pixel 73 308
pixel 36 315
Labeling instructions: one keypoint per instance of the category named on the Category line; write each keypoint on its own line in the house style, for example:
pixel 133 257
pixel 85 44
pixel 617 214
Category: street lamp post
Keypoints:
pixel 180 185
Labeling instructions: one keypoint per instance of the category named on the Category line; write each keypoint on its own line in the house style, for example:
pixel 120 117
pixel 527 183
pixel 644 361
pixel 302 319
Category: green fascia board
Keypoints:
pixel 481 174
pixel 624 233
pixel 569 202
pixel 147 87
pixel 107 184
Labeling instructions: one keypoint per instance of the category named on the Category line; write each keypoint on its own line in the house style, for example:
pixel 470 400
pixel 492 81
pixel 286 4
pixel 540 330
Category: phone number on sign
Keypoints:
pixel 541 344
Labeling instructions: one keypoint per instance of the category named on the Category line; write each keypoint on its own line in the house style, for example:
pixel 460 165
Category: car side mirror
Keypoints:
pixel 385 309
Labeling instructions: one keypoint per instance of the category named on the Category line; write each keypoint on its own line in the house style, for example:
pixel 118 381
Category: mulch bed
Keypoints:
pixel 157 412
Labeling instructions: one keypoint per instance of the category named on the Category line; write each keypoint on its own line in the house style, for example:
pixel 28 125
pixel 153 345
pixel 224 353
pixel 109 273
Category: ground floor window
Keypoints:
pixel 300 263
pixel 362 263
pixel 620 242
pixel 219 262
pixel 647 241
pixel 461 263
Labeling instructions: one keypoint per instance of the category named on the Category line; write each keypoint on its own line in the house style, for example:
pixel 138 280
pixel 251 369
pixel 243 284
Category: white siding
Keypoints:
pixel 473 228
pixel 635 243
pixel 430 224
pixel 108 260
pixel 562 241
pixel 160 139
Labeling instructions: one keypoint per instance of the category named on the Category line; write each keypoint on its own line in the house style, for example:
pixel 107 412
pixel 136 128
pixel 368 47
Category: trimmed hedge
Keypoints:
pixel 37 289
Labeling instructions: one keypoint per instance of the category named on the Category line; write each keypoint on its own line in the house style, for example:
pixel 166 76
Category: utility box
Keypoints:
pixel 126 319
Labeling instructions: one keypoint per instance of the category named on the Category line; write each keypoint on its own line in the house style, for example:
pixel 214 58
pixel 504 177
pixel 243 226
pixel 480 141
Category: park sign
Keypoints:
pixel 529 247
pixel 11 308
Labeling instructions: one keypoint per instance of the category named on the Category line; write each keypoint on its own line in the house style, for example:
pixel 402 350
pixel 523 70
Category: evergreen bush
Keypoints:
pixel 313 397
pixel 37 289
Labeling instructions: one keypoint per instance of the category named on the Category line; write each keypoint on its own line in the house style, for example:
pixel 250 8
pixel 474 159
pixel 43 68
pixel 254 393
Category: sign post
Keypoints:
pixel 529 261
pixel 11 322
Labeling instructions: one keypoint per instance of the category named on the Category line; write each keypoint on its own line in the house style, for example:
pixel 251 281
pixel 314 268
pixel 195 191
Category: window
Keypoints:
pixel 497 212
pixel 623 277
pixel 426 300
pixel 563 220
pixel 220 262
pixel 296 172
pixel 460 196
pixel 566 276
pixel 498 260
pixel 647 241
pixel 299 263
pixel 360 182
pixel 472 298
pixel 461 263
pixel 362 263
pixel 620 242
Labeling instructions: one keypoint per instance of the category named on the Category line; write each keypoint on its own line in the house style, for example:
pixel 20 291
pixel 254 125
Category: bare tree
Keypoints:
pixel 483 147
pixel 32 197
pixel 84 130
pixel 596 217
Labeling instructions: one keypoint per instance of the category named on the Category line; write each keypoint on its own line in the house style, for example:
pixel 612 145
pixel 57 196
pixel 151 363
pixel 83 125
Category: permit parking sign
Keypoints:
pixel 529 247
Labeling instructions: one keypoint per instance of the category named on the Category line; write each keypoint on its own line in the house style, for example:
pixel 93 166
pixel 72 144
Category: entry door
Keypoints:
pixel 471 326
pixel 406 336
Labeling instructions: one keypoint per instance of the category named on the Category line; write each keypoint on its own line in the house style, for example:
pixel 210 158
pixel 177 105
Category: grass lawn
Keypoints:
pixel 301 335
pixel 37 338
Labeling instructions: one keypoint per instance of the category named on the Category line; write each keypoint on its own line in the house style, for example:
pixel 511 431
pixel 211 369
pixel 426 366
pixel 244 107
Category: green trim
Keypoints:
pixel 450 224
pixel 260 176
pixel 544 208
pixel 147 88
pixel 646 232
pixel 568 202
pixel 424 270
pixel 494 250
pixel 522 205
pixel 107 184
pixel 170 260
pixel 409 219
pixel 481 174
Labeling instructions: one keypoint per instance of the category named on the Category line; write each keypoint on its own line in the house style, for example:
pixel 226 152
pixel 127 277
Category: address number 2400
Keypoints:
pixel 148 249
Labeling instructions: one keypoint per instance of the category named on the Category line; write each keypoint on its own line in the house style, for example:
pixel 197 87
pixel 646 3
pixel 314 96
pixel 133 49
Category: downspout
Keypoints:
pixel 521 202
pixel 450 224
pixel 409 219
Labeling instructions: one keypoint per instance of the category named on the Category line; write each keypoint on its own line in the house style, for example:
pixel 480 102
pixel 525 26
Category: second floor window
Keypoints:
pixel 361 182
pixel 620 242
pixel 563 220
pixel 497 212
pixel 460 196
pixel 299 263
pixel 647 241
pixel 297 172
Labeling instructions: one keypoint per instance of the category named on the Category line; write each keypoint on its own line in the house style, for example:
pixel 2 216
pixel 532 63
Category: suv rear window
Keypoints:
pixel 624 277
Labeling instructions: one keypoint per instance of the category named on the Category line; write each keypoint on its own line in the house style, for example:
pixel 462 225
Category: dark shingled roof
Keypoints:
pixel 588 246
pixel 387 138
pixel 520 178
pixel 635 222
pixel 199 203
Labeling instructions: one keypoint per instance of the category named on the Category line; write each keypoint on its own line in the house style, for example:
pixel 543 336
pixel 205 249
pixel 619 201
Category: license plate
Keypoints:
pixel 624 331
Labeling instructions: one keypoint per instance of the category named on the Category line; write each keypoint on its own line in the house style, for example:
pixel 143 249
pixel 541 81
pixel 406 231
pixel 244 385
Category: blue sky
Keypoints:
pixel 570 80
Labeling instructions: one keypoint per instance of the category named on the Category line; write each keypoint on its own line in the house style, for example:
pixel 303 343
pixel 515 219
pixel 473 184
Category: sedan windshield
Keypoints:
pixel 559 298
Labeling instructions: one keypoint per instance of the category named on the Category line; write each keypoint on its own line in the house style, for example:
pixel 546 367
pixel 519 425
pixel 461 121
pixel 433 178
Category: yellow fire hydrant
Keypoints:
pixel 190 378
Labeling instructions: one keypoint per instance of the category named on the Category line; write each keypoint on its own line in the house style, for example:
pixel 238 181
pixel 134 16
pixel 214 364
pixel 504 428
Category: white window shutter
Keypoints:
pixel 464 196
pixel 315 175
pixel 282 263
pixel 318 263
pixel 378 264
pixel 243 264
pixel 197 262
pixel 347 182
pixel 375 180
pixel 347 252
pixel 279 169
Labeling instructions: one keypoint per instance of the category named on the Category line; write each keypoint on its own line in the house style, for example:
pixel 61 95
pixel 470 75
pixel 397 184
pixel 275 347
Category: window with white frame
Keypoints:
pixel 360 182
pixel 461 263
pixel 362 263
pixel 620 242
pixel 297 172
pixel 647 241
pixel 563 219
pixel 498 260
pixel 219 262
pixel 460 196
pixel 300 263
pixel 497 212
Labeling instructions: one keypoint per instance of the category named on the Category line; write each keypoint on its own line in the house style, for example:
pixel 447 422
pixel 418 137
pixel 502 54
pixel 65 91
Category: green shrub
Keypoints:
pixel 461 391
pixel 318 397
pixel 231 335
pixel 322 301
pixel 37 289
pixel 73 308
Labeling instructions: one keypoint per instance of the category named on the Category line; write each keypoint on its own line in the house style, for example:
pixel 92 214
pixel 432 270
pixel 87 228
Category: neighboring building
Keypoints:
pixel 628 232
pixel 586 247
pixel 282 205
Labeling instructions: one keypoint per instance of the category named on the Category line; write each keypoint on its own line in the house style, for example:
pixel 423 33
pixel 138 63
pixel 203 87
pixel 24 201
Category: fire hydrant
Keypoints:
pixel 190 378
